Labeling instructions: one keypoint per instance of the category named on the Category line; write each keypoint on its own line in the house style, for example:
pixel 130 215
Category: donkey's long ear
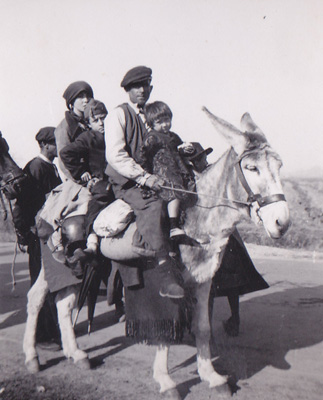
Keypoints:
pixel 248 125
pixel 235 137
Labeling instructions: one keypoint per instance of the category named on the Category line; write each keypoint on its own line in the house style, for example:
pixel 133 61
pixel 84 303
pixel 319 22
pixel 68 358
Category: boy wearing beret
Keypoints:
pixel 43 177
pixel 126 131
pixel 76 95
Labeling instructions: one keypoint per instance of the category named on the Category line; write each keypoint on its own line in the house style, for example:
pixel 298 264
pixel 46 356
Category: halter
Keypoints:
pixel 252 197
pixel 12 179
pixel 262 201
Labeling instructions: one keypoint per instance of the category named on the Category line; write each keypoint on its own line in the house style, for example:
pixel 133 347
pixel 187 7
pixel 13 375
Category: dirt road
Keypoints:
pixel 277 356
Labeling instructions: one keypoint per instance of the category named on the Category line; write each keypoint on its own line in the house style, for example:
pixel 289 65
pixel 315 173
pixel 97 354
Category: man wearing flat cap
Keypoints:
pixel 126 130
pixel 43 177
pixel 76 95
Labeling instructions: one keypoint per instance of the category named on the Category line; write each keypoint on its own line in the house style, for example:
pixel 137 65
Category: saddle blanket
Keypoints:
pixel 68 199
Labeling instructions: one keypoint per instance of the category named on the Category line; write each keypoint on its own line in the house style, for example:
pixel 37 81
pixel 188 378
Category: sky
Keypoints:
pixel 232 56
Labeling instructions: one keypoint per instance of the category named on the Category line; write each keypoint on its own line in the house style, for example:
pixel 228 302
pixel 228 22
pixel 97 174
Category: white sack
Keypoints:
pixel 113 219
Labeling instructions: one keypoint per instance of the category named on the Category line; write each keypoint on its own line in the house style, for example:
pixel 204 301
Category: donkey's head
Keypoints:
pixel 11 176
pixel 258 169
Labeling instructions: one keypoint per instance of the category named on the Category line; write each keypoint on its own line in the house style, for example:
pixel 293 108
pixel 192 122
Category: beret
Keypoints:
pixel 137 74
pixel 74 89
pixel 198 151
pixel 94 107
pixel 46 135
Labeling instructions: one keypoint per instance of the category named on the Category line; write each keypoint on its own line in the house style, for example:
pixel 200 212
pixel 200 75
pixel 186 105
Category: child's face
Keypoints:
pixel 163 124
pixel 97 123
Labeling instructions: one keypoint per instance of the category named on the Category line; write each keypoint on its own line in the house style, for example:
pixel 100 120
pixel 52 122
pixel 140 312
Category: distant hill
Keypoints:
pixel 305 200
pixel 311 173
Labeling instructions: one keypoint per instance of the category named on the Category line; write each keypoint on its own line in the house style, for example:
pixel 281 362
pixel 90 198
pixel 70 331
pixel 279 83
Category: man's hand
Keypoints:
pixel 91 183
pixel 23 248
pixel 154 182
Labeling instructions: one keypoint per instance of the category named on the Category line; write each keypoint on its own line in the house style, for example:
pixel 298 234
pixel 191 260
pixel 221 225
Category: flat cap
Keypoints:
pixel 94 107
pixel 46 135
pixel 74 89
pixel 135 75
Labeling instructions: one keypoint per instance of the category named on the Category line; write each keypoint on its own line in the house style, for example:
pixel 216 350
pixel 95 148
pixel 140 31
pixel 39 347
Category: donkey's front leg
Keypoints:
pixel 36 298
pixel 202 331
pixel 65 302
pixel 160 373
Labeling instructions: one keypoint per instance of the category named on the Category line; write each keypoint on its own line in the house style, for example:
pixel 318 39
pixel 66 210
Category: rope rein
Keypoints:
pixel 248 204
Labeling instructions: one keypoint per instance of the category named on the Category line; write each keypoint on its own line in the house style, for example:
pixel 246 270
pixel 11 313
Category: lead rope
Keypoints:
pixel 13 278
pixel 5 216
pixel 4 209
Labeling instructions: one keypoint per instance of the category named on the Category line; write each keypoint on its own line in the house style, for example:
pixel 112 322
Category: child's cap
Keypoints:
pixel 74 89
pixel 46 135
pixel 94 107
pixel 135 75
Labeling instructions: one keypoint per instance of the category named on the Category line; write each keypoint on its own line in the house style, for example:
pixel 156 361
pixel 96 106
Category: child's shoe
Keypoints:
pixel 176 232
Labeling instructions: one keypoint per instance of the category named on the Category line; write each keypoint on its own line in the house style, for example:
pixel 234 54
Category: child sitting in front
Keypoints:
pixel 160 155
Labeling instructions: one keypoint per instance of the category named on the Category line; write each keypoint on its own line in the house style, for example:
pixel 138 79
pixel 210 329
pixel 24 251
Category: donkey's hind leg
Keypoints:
pixel 36 298
pixel 65 302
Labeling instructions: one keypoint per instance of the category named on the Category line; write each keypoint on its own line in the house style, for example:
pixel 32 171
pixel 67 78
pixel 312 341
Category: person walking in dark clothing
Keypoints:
pixel 42 178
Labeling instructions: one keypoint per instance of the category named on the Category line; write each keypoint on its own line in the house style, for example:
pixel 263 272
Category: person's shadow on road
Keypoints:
pixel 271 326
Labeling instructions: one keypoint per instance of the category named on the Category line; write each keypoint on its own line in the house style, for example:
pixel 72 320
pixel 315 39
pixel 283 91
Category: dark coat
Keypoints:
pixel 66 132
pixel 159 156
pixel 237 271
pixel 85 154
pixel 43 177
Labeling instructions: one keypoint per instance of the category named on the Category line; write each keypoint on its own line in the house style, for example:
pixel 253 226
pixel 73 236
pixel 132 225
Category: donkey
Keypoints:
pixel 243 183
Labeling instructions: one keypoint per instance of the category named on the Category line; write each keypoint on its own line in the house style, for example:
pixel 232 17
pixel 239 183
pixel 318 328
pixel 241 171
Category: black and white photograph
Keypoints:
pixel 161 199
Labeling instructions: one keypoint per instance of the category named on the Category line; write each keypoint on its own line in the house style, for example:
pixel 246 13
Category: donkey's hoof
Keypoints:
pixel 33 365
pixel 223 391
pixel 84 363
pixel 171 394
pixel 231 327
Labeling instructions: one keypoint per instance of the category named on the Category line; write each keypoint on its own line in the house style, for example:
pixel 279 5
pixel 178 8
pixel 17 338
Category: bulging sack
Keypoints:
pixel 113 219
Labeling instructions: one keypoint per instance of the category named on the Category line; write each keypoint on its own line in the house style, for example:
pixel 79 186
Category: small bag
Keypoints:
pixel 113 219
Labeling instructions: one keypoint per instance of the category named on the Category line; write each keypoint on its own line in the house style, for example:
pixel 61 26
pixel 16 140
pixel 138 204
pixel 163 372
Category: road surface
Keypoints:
pixel 277 356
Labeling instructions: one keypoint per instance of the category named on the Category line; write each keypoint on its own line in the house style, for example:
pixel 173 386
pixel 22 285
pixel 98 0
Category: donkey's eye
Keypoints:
pixel 251 168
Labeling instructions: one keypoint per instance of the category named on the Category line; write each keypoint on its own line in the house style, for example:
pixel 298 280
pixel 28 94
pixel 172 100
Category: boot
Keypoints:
pixel 169 283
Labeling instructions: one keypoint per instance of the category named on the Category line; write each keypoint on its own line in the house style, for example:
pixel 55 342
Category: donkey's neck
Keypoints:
pixel 213 219
pixel 213 215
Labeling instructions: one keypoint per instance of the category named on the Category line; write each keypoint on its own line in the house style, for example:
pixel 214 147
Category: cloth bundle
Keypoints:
pixel 113 219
